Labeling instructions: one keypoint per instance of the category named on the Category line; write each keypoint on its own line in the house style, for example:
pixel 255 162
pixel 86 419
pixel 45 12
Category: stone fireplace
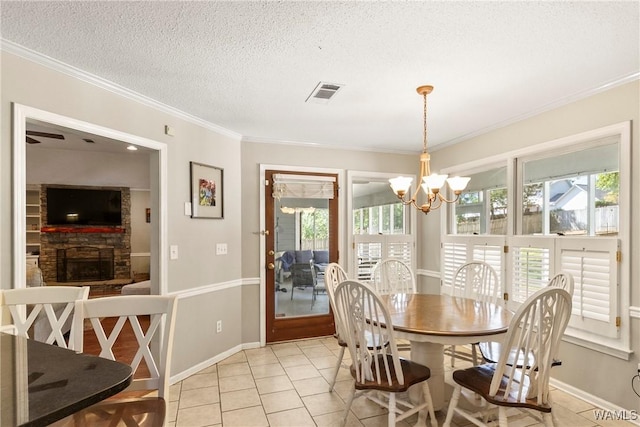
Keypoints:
pixel 73 253
pixel 84 263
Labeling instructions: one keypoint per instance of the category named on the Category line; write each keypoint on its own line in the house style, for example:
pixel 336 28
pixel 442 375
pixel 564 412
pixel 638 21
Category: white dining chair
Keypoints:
pixel 476 280
pixel 334 274
pixel 378 368
pixel 44 313
pixel 490 351
pixel 534 335
pixel 390 276
pixel 136 311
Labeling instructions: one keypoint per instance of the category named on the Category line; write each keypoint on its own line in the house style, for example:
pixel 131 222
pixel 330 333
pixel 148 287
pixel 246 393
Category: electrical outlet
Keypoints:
pixel 219 326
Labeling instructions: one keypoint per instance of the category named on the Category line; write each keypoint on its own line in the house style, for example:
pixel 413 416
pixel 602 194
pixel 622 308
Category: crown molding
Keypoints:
pixel 548 107
pixel 59 66
pixel 260 140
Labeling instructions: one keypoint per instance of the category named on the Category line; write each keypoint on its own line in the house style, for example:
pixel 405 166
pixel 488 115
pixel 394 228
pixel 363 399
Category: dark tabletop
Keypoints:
pixel 41 383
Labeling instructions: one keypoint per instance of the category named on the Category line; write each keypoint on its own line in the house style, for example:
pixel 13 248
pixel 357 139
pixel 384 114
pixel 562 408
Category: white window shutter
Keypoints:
pixel 530 266
pixel 593 265
pixel 371 248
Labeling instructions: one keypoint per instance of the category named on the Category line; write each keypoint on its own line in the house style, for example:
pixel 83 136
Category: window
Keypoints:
pixel 482 208
pixel 574 193
pixel 569 197
pixel 380 224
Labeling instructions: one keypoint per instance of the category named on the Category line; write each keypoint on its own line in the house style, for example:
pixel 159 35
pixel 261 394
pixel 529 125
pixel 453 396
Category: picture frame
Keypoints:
pixel 207 191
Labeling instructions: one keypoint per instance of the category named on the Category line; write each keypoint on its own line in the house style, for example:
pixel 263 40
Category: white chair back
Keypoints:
pixel 364 315
pixel 476 280
pixel 564 281
pixel 47 309
pixel 534 333
pixel 392 276
pixel 161 312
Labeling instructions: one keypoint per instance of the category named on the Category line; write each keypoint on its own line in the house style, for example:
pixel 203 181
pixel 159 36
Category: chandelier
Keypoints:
pixel 431 182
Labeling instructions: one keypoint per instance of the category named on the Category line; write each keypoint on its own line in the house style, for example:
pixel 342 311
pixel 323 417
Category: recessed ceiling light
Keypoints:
pixel 132 147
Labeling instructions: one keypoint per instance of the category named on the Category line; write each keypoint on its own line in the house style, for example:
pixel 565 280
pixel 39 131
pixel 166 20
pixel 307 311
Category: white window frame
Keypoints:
pixel 616 339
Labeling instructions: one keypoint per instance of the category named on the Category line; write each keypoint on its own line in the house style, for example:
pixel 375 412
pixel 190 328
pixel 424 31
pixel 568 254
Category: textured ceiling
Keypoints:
pixel 249 66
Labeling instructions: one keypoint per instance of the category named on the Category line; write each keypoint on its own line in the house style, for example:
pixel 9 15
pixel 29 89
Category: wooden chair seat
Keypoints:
pixel 413 372
pixel 490 352
pixel 478 379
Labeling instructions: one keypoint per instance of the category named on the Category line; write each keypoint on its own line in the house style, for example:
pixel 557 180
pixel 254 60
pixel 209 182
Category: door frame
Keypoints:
pixel 158 183
pixel 263 257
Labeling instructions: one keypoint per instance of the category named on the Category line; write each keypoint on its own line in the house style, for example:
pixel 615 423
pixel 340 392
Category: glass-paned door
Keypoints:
pixel 302 223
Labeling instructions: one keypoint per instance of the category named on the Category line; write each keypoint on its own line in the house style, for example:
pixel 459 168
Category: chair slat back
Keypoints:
pixel 476 280
pixel 564 281
pixel 368 332
pixel 129 309
pixel 391 276
pixel 334 274
pixel 29 307
pixel 534 333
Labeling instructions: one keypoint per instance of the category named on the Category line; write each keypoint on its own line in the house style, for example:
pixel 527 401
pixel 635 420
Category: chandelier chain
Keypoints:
pixel 424 124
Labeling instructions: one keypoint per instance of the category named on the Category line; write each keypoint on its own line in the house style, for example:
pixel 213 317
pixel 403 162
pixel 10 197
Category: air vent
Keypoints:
pixel 323 93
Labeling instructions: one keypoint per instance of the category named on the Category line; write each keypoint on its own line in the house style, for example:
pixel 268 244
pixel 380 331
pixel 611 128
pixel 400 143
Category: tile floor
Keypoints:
pixel 287 385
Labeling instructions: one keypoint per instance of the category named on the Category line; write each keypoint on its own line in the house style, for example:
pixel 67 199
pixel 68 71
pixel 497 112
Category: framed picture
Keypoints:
pixel 207 191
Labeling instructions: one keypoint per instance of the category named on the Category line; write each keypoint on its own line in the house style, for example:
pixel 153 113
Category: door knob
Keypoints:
pixel 271 266
pixel 271 253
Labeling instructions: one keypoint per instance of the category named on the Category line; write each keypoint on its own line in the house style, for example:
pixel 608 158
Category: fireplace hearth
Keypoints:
pixel 84 263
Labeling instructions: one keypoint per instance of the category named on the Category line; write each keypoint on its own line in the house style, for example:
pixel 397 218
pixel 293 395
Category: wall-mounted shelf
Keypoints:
pixel 33 221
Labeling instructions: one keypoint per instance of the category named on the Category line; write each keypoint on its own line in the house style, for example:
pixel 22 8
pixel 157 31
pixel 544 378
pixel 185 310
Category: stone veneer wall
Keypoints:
pixel 118 238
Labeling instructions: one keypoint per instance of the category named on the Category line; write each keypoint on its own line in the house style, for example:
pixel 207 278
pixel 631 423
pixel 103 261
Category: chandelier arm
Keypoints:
pixel 445 200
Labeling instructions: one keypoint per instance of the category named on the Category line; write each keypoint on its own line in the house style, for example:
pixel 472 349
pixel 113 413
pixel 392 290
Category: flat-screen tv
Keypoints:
pixel 81 206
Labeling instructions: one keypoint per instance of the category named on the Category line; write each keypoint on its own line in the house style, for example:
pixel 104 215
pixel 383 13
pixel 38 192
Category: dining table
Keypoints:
pixel 42 383
pixel 432 321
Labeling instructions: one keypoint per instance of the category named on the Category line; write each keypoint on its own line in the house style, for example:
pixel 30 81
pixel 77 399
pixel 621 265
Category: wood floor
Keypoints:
pixel 125 347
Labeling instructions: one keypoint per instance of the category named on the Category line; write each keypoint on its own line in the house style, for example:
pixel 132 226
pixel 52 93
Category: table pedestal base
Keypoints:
pixel 432 356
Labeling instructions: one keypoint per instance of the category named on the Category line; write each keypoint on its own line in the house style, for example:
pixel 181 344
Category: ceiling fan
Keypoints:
pixel 41 135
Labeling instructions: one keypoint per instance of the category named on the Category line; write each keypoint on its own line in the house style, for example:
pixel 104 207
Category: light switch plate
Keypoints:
pixel 221 249
pixel 174 251
pixel 187 208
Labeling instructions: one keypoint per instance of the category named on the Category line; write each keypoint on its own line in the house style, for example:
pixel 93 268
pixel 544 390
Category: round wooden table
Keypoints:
pixel 432 321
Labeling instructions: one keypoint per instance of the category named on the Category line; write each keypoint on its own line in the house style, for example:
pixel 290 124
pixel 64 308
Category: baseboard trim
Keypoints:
pixel 212 361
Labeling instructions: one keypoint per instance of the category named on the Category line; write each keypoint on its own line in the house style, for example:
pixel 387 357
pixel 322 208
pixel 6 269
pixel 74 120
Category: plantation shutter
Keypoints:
pixel 530 265
pixel 593 265
pixel 371 248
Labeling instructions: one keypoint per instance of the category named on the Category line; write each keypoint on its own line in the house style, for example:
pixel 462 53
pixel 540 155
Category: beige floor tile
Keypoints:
pixel 236 358
pixel 283 350
pixel 365 408
pixel 238 382
pixel 313 342
pixel 266 371
pixel 343 374
pixel 324 362
pixel 324 403
pixel 381 421
pixel 233 369
pixel 199 397
pixel 199 416
pixel 302 372
pixel 239 399
pixel 570 402
pixel 258 359
pixel 200 381
pixel 209 369
pixel 335 419
pixel 172 411
pixel 294 360
pixel 281 401
pixel 316 351
pixel 311 386
pixel 293 418
pixel 247 417
pixel 174 392
pixel 273 384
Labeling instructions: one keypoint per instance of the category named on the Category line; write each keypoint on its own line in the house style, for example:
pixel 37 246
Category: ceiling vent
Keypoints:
pixel 323 93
